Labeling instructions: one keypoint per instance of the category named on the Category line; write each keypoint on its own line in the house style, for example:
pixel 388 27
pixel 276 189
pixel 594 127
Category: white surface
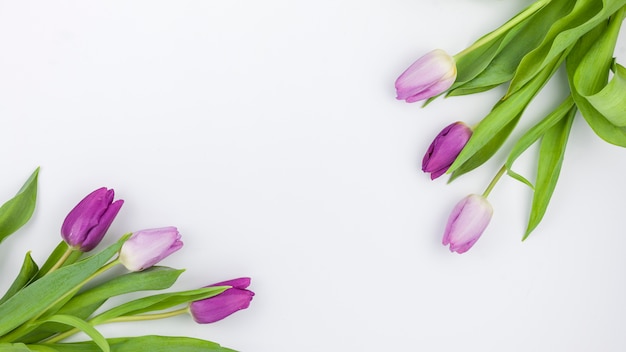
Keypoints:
pixel 268 132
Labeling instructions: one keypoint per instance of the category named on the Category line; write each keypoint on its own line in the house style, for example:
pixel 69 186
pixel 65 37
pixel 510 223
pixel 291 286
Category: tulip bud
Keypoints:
pixel 218 307
pixel 147 247
pixel 445 148
pixel 85 225
pixel 466 223
pixel 431 75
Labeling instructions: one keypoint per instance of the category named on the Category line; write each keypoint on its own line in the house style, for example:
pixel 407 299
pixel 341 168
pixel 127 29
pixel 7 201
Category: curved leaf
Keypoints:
pixel 551 155
pixel 27 272
pixel 17 211
pixel 83 326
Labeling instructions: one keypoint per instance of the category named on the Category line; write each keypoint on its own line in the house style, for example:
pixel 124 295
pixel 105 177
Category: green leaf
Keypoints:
pixel 83 326
pixel 154 278
pixel 551 155
pixel 37 297
pixel 492 131
pixel 17 211
pixel 587 71
pixel 502 66
pixel 157 302
pixel 27 272
pixel 565 32
pixel 486 151
pixel 611 100
pixel 148 343
pixel 533 135
pixel 13 347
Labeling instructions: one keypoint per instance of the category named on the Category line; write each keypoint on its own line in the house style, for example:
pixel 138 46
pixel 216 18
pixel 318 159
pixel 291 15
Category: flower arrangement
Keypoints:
pixel 523 54
pixel 47 304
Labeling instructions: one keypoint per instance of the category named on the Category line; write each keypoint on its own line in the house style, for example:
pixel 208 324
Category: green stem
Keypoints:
pixel 520 17
pixel 164 315
pixel 28 326
pixel 61 260
pixel 494 181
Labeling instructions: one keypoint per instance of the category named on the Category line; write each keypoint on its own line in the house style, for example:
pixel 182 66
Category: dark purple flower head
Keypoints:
pixel 218 307
pixel 85 225
pixel 445 148
pixel 467 222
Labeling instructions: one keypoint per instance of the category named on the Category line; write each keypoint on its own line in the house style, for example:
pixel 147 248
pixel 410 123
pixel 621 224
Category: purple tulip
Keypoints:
pixel 431 75
pixel 218 307
pixel 466 223
pixel 147 247
pixel 445 148
pixel 85 225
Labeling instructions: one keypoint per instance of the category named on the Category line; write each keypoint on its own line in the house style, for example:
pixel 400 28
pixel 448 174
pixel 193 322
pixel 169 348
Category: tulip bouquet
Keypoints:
pixel 49 303
pixel 523 54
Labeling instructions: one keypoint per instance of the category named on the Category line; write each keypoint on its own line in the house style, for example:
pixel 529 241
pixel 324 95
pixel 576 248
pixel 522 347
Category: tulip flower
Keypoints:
pixel 218 307
pixel 431 75
pixel 147 247
pixel 466 223
pixel 445 148
pixel 85 225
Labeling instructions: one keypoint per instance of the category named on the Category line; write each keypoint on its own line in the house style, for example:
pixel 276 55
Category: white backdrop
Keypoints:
pixel 269 134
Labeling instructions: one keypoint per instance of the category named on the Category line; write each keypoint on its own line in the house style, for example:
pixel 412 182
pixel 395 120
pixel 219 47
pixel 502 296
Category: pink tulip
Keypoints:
pixel 429 76
pixel 466 223
pixel 147 247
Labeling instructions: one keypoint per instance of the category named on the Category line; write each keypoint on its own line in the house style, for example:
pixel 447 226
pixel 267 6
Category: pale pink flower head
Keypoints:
pixel 429 76
pixel 466 223
pixel 147 247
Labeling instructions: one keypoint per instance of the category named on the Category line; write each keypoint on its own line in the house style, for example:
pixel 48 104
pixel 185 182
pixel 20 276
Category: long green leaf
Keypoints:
pixel 587 71
pixel 14 347
pixel 502 66
pixel 551 155
pixel 533 135
pixel 565 32
pixel 154 278
pixel 27 272
pixel 83 326
pixel 17 211
pixel 148 343
pixel 611 100
pixel 157 302
pixel 499 122
pixel 35 298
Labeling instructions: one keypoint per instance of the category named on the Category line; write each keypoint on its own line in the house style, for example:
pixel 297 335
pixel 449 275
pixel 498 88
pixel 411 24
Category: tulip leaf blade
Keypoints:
pixel 85 303
pixel 508 110
pixel 534 134
pixel 149 343
pixel 611 100
pixel 27 272
pixel 486 151
pixel 587 71
pixel 551 154
pixel 44 293
pixel 83 326
pixel 14 347
pixel 157 302
pixel 16 212
pixel 154 278
pixel 502 66
pixel 564 33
